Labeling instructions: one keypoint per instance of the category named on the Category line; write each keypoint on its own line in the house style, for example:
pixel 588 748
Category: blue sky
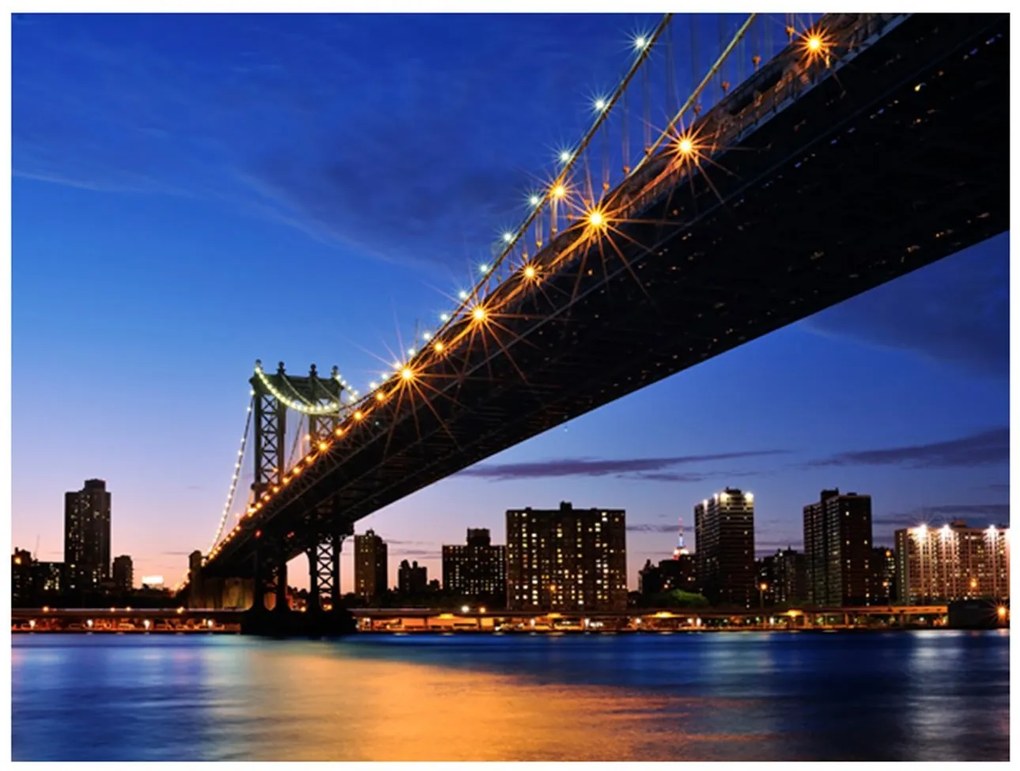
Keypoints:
pixel 191 193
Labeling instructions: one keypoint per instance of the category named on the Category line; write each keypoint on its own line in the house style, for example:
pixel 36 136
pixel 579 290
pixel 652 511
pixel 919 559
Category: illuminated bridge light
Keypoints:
pixel 445 316
pixel 323 446
pixel 534 200
pixel 600 104
pixel 359 415
pixel 438 346
pixel 380 396
pixel 479 313
pixel 530 272
pixel 508 237
pixel 558 192
pixel 462 294
pixel 407 373
pixel 597 219
pixel 565 156
pixel 640 43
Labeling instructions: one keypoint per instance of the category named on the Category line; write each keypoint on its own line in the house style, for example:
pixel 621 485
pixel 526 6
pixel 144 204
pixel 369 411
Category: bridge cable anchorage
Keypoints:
pixel 234 479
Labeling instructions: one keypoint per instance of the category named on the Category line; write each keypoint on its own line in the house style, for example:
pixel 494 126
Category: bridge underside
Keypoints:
pixel 896 160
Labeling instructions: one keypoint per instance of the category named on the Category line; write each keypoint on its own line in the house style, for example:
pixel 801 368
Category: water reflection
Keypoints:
pixel 753 696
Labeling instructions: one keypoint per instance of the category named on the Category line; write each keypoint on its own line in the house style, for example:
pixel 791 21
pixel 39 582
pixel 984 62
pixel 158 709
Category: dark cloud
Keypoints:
pixel 646 528
pixel 958 312
pixel 416 553
pixel 975 514
pixel 980 449
pixel 632 468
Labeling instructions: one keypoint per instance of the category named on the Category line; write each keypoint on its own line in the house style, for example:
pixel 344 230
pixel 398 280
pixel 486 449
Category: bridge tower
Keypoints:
pixel 324 529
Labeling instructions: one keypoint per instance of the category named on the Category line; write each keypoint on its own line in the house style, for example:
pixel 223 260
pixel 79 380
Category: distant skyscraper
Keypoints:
pixel 837 545
pixel 789 577
pixel 724 535
pixel 21 578
pixel 371 568
pixel 566 559
pixel 123 573
pixel 883 575
pixel 87 536
pixel 477 569
pixel 412 579
pixel 952 562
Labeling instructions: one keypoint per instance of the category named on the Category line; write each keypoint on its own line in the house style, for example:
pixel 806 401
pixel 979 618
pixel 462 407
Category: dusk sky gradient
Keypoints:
pixel 191 193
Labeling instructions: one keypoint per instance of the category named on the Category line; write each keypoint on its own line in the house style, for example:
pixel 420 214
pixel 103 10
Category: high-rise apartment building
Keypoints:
pixel 952 562
pixel 724 536
pixel 123 573
pixel 566 559
pixel 476 569
pixel 371 569
pixel 838 549
pixel 784 575
pixel 21 578
pixel 883 575
pixel 87 536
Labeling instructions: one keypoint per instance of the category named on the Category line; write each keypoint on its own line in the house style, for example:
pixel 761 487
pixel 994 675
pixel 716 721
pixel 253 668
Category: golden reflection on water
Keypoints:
pixel 312 706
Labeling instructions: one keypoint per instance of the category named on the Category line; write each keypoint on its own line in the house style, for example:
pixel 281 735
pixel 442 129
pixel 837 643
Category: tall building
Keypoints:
pixel 477 569
pixel 48 578
pixel 87 536
pixel 412 579
pixel 123 573
pixel 566 559
pixel 724 535
pixel 952 562
pixel 837 545
pixel 371 568
pixel 21 578
pixel 785 577
pixel 883 575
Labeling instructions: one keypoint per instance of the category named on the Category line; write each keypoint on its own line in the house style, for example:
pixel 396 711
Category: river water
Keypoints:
pixel 921 695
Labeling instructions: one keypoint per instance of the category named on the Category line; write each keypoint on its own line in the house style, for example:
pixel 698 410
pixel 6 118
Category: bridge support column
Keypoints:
pixel 281 584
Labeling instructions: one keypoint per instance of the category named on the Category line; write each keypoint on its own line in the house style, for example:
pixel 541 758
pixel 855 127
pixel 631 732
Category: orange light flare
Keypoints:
pixel 815 45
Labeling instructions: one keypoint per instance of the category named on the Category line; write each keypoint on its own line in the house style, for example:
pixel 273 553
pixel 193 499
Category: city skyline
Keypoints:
pixel 910 406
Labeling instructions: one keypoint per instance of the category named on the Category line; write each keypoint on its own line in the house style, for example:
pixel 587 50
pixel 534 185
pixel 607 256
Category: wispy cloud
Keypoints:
pixel 647 528
pixel 982 448
pixel 649 469
pixel 976 514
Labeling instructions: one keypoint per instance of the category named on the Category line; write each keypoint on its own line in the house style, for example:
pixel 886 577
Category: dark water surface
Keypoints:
pixel 924 695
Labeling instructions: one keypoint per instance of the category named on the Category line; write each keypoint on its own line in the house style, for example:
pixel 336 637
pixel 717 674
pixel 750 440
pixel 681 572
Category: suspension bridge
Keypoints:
pixel 801 169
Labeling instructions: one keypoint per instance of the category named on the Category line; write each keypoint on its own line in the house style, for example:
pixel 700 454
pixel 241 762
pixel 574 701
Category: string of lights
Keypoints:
pixel 236 475
pixel 301 404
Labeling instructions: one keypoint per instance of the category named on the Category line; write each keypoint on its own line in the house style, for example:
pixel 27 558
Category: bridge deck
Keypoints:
pixel 821 189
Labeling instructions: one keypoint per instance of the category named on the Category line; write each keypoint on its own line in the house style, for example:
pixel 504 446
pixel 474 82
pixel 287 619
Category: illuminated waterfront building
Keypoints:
pixel 476 569
pixel 785 577
pixel 883 575
pixel 566 559
pixel 21 578
pixel 724 535
pixel 48 578
pixel 371 568
pixel 837 545
pixel 87 536
pixel 952 562
pixel 123 573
